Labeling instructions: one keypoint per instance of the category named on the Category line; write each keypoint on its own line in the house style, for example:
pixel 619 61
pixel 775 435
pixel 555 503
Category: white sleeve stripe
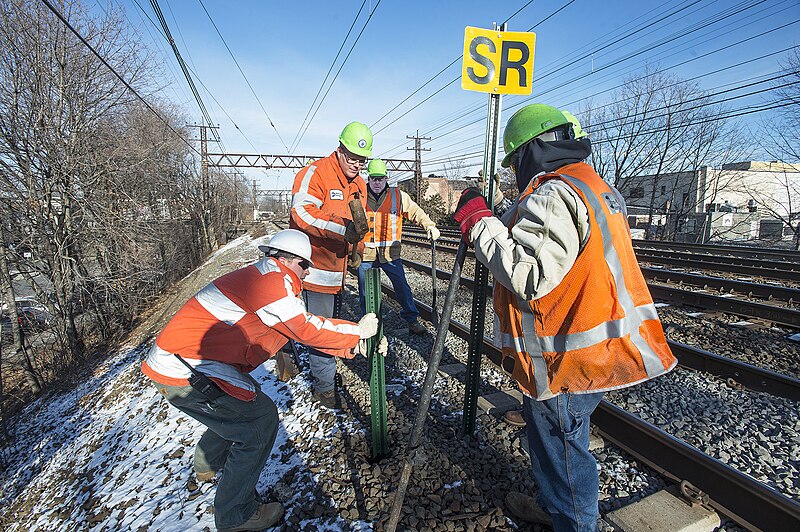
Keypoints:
pixel 302 198
pixel 324 277
pixel 283 309
pixel 307 179
pixel 219 305
pixel 313 221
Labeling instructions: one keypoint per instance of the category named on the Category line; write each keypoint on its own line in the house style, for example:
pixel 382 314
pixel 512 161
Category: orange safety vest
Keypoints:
pixel 320 197
pixel 385 224
pixel 598 329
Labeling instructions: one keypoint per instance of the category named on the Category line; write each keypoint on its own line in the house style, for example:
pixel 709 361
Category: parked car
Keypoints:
pixel 33 316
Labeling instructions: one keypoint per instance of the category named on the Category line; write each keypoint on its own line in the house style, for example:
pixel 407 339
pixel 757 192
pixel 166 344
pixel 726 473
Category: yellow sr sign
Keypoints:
pixel 499 62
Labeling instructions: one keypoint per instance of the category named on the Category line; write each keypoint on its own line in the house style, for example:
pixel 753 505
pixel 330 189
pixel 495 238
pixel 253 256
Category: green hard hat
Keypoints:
pixel 527 123
pixel 576 126
pixel 357 138
pixel 376 167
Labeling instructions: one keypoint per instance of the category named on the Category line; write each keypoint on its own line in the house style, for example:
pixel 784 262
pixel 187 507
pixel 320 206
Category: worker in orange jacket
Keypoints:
pixel 320 208
pixel 574 316
pixel 202 359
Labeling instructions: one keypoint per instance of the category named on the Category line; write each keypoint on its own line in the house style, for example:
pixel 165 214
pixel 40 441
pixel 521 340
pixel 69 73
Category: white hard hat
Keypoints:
pixel 290 240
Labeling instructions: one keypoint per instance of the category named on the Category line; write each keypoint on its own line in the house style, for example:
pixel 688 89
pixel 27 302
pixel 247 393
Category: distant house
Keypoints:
pixel 449 189
pixel 739 201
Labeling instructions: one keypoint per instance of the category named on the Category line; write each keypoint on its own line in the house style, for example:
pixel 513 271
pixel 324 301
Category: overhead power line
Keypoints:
pixel 319 105
pixel 58 14
pixel 271 123
pixel 330 69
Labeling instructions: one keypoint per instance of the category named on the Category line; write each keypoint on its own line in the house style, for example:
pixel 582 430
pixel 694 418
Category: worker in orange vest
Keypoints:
pixel 573 312
pixel 321 195
pixel 386 208
pixel 202 359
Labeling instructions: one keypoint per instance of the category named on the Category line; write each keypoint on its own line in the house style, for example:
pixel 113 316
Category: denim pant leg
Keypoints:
pixel 211 452
pixel 563 467
pixel 362 283
pixel 322 365
pixel 397 275
pixel 251 427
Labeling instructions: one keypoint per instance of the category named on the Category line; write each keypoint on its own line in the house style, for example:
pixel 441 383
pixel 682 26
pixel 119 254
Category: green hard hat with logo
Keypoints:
pixel 376 168
pixel 357 138
pixel 576 126
pixel 527 123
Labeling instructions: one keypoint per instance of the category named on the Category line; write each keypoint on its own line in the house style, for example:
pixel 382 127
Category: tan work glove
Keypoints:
pixel 361 348
pixel 368 326
pixel 354 260
pixel 433 233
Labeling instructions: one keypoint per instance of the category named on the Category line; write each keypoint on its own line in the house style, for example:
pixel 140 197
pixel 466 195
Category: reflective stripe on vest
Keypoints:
pixel 634 316
pixel 386 224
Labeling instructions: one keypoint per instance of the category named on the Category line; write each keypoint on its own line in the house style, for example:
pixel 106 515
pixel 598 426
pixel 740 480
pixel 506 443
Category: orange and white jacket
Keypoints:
pixel 386 224
pixel 237 322
pixel 320 197
pixel 573 312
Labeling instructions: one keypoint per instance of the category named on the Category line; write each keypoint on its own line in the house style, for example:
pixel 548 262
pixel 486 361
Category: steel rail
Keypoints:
pixel 735 494
pixel 750 376
pixel 747 288
pixel 759 267
pixel 775 254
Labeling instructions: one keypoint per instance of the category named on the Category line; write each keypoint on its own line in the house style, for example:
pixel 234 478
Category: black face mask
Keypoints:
pixel 539 156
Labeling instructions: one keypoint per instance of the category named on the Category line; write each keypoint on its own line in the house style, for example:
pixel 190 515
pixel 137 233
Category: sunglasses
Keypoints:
pixel 377 177
pixel 304 264
pixel 353 159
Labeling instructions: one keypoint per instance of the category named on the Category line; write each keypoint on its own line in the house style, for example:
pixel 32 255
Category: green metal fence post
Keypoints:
pixel 377 378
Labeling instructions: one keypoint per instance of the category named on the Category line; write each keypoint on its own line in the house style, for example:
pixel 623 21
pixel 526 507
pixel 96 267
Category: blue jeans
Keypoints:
pixel 322 365
pixel 563 467
pixel 238 440
pixel 394 271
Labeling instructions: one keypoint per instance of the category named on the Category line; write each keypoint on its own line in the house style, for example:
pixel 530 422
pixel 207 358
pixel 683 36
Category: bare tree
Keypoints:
pixel 779 139
pixel 653 140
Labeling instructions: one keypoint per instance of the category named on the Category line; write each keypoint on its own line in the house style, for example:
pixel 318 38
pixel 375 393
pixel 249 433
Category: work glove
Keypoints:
pixel 354 260
pixel 351 234
pixel 471 208
pixel 361 348
pixel 433 233
pixel 368 326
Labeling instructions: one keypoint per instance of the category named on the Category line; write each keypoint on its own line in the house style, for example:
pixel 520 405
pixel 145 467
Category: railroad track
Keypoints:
pixel 733 493
pixel 780 315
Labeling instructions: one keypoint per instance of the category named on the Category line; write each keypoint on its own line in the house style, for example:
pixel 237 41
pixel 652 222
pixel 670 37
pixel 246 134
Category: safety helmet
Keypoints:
pixel 527 123
pixel 357 138
pixel 289 240
pixel 576 126
pixel 376 167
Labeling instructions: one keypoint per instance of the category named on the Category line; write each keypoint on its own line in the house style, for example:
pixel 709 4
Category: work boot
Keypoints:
pixel 284 366
pixel 329 400
pixel 415 327
pixel 527 509
pixel 205 476
pixel 514 417
pixel 266 516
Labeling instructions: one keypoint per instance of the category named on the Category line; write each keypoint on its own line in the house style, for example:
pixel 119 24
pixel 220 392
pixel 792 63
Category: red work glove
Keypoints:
pixel 471 208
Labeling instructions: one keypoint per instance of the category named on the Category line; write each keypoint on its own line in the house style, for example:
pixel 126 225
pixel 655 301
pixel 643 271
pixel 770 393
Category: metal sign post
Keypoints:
pixel 499 63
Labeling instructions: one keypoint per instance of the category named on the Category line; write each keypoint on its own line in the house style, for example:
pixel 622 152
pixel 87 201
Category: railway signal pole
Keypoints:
pixel 418 149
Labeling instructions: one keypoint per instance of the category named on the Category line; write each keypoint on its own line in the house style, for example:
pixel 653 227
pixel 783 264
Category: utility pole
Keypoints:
pixel 211 239
pixel 418 149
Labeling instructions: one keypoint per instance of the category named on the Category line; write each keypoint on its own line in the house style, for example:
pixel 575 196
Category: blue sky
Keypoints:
pixel 286 48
